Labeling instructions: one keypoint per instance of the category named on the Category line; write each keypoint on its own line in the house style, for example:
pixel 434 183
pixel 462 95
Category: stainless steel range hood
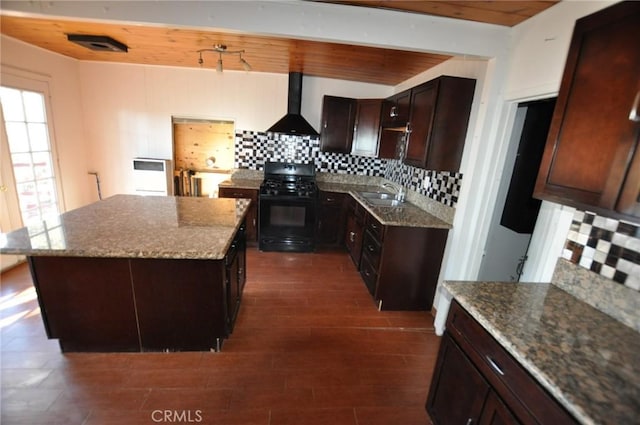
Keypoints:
pixel 293 122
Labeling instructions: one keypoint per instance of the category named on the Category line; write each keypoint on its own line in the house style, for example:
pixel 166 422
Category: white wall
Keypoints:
pixel 61 74
pixel 128 108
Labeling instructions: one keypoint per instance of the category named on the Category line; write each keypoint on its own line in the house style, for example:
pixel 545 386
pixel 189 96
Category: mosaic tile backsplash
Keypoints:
pixel 254 148
pixel 605 246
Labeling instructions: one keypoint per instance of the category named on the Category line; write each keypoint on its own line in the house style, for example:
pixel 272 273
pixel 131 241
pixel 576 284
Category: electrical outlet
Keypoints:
pixel 426 183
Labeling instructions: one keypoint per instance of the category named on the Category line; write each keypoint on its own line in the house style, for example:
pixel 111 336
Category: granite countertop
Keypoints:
pixel 408 214
pixel 132 226
pixel 587 360
pixel 241 183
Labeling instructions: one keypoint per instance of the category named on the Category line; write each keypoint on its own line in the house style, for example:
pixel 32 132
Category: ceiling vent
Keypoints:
pixel 100 43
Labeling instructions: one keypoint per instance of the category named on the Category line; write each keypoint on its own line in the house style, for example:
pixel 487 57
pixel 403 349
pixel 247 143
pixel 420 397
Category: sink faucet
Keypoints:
pixel 398 189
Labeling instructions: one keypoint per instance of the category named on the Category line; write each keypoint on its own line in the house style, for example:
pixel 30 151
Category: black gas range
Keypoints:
pixel 288 203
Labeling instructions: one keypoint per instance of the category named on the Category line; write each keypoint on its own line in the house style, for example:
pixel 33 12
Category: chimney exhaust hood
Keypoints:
pixel 293 122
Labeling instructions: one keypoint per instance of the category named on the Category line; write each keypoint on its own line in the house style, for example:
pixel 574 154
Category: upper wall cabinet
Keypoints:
pixel 395 109
pixel 350 125
pixel 338 119
pixel 367 127
pixel 591 160
pixel 438 121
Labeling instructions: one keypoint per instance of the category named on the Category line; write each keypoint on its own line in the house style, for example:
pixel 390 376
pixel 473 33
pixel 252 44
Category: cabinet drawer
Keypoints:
pixel 375 227
pixel 232 192
pixel 331 198
pixel 529 401
pixel 369 275
pixel 372 249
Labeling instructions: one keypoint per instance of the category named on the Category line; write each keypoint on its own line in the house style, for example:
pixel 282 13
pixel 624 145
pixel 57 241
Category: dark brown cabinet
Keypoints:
pixel 439 117
pixel 330 224
pixel 450 401
pixel 251 219
pixel 395 109
pixel 233 282
pixel 477 381
pixel 354 230
pixel 388 144
pixel 338 120
pixel 382 253
pixel 367 127
pixel 591 160
pixel 495 412
pixel 415 253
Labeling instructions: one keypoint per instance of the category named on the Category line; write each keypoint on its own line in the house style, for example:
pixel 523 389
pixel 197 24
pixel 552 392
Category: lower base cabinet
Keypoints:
pixel 477 382
pixel 400 265
pixel 449 401
pixel 354 229
pixel 138 304
pixel 331 219
pixel 251 219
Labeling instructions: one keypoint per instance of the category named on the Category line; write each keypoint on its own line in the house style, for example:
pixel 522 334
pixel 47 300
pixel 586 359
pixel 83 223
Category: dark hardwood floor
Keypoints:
pixel 309 347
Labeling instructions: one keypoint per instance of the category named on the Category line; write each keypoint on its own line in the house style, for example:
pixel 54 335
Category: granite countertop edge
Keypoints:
pixel 542 378
pixel 409 215
pixel 217 251
pixel 587 402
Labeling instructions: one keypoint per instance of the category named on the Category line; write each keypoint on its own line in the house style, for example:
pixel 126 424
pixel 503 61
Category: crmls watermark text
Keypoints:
pixel 177 416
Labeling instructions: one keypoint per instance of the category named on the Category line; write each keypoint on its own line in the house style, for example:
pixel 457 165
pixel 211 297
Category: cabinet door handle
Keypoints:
pixel 352 236
pixel 371 248
pixel 494 365
pixel 325 124
pixel 633 115
pixel 469 421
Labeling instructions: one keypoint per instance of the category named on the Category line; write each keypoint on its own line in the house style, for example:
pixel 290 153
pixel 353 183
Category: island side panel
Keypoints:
pixel 180 303
pixel 87 303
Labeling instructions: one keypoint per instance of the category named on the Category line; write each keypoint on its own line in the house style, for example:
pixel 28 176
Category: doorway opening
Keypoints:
pixel 516 211
pixel 203 155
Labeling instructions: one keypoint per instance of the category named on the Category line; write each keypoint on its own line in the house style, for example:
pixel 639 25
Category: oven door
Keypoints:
pixel 287 223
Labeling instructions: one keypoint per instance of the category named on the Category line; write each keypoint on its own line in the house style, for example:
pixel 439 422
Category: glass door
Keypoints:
pixel 9 206
pixel 29 189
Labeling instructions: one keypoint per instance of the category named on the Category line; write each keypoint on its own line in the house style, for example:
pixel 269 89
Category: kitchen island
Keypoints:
pixel 134 273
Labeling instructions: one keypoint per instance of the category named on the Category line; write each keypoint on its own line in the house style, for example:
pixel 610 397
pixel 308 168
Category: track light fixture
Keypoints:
pixel 221 49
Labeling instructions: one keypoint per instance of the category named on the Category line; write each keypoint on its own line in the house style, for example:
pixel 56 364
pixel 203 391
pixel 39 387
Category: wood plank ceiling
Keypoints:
pixel 154 45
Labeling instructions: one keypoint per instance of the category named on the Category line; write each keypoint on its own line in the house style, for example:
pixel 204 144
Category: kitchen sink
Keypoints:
pixel 386 202
pixel 377 195
pixel 380 199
